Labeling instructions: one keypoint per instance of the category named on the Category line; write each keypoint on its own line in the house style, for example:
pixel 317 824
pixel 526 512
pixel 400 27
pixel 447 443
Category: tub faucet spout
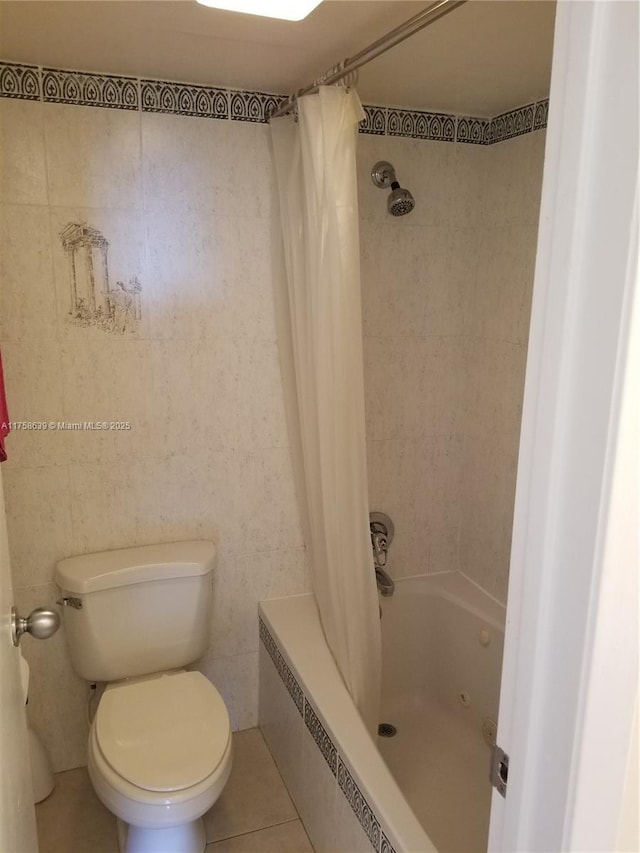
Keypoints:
pixel 385 585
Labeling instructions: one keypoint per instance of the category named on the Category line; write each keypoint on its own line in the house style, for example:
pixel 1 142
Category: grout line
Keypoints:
pixel 258 829
pixel 275 763
pixel 62 439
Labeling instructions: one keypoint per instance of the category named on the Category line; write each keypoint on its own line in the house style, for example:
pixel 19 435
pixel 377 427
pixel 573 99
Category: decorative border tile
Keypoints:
pixel 319 734
pixel 513 123
pixel 440 127
pixel 19 81
pixel 252 106
pixel 89 90
pixel 541 115
pixel 269 643
pixel 163 96
pixel 400 123
pixel 473 130
pixel 54 85
pixel 375 121
pixel 386 846
pixel 360 806
pixel 289 679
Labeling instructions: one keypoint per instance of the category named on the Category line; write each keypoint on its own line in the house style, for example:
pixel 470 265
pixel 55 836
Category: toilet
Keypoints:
pixel 159 751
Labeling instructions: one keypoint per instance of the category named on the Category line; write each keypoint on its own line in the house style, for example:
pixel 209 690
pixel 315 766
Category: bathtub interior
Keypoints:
pixel 442 658
pixel 425 789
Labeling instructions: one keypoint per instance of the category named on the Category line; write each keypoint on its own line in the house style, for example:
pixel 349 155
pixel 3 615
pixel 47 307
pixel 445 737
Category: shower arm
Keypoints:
pixel 382 45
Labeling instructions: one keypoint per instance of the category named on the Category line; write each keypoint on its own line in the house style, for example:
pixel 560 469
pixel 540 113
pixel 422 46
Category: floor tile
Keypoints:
pixel 254 797
pixel 254 807
pixel 285 838
pixel 72 819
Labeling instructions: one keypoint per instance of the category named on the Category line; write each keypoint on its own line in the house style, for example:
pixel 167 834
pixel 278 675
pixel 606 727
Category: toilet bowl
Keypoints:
pixel 160 742
pixel 159 756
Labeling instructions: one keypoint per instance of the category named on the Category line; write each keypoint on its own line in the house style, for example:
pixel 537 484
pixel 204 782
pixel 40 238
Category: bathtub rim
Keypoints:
pixel 294 624
pixel 457 588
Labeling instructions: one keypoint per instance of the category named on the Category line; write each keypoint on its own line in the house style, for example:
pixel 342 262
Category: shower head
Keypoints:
pixel 400 201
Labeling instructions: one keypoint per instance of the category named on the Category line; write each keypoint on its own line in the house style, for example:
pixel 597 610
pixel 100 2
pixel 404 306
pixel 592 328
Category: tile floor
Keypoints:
pixel 254 814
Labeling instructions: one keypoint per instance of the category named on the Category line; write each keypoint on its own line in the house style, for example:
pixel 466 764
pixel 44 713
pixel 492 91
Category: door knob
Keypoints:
pixel 41 623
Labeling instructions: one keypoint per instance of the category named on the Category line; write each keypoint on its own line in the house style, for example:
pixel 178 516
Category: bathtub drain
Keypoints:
pixel 386 730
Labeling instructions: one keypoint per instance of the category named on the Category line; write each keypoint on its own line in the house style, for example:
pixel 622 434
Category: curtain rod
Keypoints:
pixel 386 42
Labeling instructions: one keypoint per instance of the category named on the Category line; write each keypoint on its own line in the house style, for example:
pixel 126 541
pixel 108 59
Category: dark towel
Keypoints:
pixel 4 416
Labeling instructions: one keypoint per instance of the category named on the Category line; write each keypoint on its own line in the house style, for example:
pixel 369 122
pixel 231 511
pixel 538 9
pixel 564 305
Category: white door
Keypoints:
pixel 17 814
pixel 570 676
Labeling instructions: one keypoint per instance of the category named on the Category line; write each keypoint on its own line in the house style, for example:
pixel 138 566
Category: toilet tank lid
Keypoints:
pixel 109 569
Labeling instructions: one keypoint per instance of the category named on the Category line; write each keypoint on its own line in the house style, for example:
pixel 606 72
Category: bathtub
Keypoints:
pixel 424 789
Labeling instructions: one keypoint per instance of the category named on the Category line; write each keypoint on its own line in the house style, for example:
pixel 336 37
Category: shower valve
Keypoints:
pixel 381 530
pixel 379 541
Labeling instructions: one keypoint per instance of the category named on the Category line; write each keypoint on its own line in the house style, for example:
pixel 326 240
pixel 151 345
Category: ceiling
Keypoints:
pixel 483 58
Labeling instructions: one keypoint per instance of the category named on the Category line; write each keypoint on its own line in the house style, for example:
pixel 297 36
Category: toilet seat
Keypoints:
pixel 164 733
pixel 139 807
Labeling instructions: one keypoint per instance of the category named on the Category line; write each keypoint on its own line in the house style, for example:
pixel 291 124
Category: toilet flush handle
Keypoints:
pixel 41 623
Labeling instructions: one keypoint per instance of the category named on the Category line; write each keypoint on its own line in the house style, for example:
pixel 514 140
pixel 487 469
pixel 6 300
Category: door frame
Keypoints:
pixel 570 673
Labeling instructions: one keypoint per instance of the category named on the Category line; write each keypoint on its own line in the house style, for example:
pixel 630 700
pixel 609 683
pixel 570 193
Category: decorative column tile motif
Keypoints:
pixel 161 96
pixel 289 679
pixel 513 123
pixel 473 130
pixel 252 106
pixel 541 115
pixel 440 127
pixel 19 81
pixel 360 806
pixel 89 90
pixel 322 739
pixel 375 121
pixel 94 298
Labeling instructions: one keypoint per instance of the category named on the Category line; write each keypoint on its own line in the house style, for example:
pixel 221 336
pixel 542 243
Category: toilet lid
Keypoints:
pixel 164 733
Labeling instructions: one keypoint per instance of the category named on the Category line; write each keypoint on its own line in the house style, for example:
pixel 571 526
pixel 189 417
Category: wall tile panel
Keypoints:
pixel 38 521
pixel 33 385
pixel 93 157
pixel 27 295
pixel 23 176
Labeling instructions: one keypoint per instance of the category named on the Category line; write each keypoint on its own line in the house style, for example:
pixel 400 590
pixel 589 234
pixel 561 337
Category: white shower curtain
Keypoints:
pixel 316 172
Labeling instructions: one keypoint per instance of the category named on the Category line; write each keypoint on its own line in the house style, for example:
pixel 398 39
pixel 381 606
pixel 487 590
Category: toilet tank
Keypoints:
pixel 136 611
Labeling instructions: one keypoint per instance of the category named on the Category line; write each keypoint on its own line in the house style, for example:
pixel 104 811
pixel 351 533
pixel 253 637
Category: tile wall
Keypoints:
pixel 187 352
pixel 497 354
pixel 418 283
pixel 446 299
pixel 186 206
